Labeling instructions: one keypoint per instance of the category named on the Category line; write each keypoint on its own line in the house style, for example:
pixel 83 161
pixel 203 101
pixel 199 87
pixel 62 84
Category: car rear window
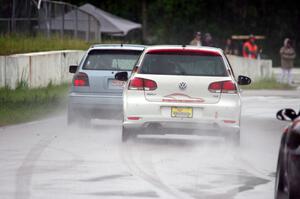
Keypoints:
pixel 111 60
pixel 183 63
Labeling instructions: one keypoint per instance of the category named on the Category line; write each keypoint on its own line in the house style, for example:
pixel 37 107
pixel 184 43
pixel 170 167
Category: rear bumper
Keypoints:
pixel 201 128
pixel 223 116
pixel 97 105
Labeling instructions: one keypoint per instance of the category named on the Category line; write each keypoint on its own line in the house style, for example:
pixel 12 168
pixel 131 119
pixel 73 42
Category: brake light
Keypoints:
pixel 81 79
pixel 142 84
pixel 149 84
pixel 228 86
pixel 223 87
pixel 215 87
pixel 136 84
pixel 133 118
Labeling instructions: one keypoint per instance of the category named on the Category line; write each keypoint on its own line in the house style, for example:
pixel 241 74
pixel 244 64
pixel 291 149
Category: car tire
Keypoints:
pixel 233 138
pixel 84 122
pixel 75 117
pixel 70 116
pixel 293 191
pixel 128 134
pixel 280 182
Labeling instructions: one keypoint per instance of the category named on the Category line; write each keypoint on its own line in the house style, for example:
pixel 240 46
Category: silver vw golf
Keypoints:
pixel 182 89
pixel 95 93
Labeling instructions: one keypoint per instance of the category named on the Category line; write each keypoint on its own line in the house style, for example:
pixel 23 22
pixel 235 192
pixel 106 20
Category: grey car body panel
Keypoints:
pixel 100 94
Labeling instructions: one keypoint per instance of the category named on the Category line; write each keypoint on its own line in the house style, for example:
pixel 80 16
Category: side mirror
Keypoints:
pixel 244 80
pixel 286 114
pixel 121 76
pixel 73 68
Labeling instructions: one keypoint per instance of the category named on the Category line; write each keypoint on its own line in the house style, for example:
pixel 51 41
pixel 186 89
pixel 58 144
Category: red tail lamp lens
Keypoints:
pixel 223 87
pixel 136 84
pixel 149 84
pixel 81 79
pixel 142 84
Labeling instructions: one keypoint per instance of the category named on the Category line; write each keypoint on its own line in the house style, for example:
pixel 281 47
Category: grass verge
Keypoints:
pixel 271 83
pixel 24 104
pixel 13 44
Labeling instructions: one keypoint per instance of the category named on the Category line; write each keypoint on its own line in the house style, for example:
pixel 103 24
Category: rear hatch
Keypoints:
pixel 182 89
pixel 183 76
pixel 100 66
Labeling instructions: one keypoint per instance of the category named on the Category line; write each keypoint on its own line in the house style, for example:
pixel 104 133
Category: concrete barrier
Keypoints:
pixel 295 74
pixel 39 69
pixel 2 71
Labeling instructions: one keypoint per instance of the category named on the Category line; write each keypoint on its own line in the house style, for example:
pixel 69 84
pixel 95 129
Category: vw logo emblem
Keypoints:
pixel 182 85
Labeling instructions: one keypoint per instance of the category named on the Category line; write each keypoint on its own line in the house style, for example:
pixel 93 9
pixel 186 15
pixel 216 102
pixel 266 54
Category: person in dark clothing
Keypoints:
pixel 208 40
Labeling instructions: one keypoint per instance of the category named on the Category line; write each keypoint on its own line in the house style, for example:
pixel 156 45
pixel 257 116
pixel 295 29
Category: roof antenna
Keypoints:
pixel 183 46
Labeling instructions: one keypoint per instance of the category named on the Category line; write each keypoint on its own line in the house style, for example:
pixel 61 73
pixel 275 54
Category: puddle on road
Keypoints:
pixel 198 168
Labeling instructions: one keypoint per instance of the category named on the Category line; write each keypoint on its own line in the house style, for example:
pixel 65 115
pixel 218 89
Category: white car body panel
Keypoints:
pixel 143 108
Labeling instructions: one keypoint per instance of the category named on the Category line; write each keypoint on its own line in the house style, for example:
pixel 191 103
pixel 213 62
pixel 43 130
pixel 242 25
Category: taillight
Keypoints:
pixel 228 86
pixel 222 87
pixel 81 79
pixel 133 118
pixel 136 84
pixel 215 87
pixel 142 84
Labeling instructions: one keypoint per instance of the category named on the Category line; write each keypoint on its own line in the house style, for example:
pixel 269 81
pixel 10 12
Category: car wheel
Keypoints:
pixel 233 138
pixel 128 134
pixel 84 122
pixel 279 181
pixel 293 191
pixel 70 116
pixel 75 117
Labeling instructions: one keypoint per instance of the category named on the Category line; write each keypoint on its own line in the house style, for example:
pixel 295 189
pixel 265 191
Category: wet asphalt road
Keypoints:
pixel 46 159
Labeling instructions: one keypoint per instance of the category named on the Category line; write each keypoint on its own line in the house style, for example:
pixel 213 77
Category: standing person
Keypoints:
pixel 288 55
pixel 197 40
pixel 228 47
pixel 250 49
pixel 208 41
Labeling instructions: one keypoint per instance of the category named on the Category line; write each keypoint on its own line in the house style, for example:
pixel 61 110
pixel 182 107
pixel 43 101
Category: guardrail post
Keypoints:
pixel 76 23
pixel 62 21
pixel 87 33
pixel 50 19
pixel 13 20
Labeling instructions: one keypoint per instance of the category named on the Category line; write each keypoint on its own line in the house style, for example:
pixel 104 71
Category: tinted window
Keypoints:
pixel 111 59
pixel 183 64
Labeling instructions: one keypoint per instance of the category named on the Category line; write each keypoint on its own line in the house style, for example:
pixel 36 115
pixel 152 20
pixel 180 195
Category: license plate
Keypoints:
pixel 182 112
pixel 115 84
